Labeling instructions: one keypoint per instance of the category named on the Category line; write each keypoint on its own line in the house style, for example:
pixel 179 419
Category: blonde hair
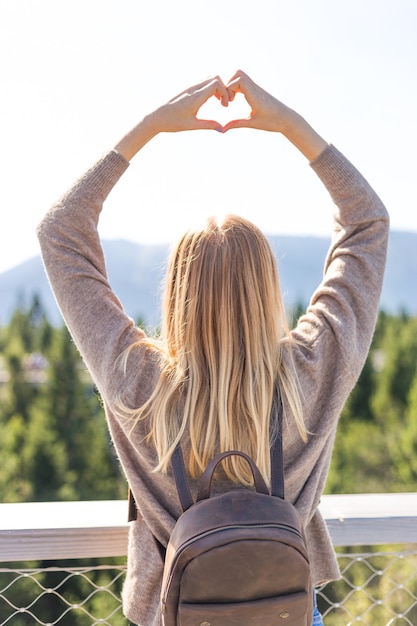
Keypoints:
pixel 221 343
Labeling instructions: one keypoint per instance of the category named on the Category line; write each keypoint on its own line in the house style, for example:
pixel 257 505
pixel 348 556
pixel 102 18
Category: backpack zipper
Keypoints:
pixel 234 527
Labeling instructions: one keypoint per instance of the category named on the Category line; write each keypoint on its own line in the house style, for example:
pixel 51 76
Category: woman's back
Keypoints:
pixel 224 350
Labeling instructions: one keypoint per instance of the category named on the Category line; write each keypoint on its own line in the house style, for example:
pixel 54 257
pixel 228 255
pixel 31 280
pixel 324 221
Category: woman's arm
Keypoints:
pixel 70 243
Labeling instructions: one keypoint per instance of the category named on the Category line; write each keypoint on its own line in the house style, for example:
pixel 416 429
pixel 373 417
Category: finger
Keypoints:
pixel 238 81
pixel 207 125
pixel 239 74
pixel 218 89
pixel 231 94
pixel 241 123
pixel 193 89
pixel 223 98
pixel 241 83
pixel 234 87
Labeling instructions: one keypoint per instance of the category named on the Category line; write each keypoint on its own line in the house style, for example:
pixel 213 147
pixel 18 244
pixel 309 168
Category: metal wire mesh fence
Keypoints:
pixel 49 595
pixel 377 588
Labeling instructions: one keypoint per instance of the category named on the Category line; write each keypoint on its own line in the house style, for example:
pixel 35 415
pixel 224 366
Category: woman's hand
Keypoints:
pixel 268 113
pixel 178 114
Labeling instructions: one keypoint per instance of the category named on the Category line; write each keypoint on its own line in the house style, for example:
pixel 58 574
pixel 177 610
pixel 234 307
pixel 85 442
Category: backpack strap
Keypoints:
pixel 277 468
pixel 181 482
pixel 277 461
pixel 207 477
pixel 183 487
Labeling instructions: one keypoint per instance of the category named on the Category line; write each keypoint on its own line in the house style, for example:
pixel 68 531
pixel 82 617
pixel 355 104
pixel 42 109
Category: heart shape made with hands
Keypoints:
pixel 214 110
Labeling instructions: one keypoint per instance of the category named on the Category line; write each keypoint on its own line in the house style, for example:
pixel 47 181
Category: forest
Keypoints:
pixel 54 443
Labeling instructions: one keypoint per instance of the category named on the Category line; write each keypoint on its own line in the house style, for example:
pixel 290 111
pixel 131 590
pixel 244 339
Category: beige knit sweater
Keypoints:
pixel 334 337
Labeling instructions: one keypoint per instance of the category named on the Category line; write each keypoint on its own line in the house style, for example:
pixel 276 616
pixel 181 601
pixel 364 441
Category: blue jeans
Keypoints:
pixel 317 619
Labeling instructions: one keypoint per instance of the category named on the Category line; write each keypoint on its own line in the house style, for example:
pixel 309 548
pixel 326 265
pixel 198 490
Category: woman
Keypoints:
pixel 225 352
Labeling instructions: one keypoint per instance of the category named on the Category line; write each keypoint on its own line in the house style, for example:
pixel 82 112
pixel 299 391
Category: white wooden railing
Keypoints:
pixel 72 530
pixel 58 534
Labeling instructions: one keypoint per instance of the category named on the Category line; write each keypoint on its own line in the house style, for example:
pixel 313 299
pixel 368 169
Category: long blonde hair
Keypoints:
pixel 221 343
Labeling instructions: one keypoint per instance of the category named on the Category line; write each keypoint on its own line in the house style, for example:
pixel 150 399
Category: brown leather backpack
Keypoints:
pixel 239 558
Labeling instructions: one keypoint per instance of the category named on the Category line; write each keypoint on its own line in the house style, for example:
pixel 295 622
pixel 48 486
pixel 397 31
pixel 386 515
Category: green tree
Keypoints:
pixel 405 454
pixel 54 445
pixel 375 435
pixel 53 433
pixel 398 350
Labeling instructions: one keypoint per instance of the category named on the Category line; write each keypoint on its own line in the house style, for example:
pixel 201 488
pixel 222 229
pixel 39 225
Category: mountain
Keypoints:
pixel 136 271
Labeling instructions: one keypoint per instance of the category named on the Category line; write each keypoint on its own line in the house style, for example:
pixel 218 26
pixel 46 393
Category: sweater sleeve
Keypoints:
pixel 345 305
pixel 333 338
pixel 75 265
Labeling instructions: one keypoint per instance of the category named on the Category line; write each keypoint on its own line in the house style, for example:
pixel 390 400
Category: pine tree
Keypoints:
pixel 53 433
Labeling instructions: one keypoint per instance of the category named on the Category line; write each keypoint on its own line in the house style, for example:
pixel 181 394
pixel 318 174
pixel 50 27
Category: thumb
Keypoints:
pixel 207 125
pixel 241 123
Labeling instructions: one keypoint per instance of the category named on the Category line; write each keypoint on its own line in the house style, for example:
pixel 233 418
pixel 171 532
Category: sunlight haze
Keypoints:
pixel 76 75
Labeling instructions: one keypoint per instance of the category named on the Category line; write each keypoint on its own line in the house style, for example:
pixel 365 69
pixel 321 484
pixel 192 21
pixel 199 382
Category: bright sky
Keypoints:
pixel 76 74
